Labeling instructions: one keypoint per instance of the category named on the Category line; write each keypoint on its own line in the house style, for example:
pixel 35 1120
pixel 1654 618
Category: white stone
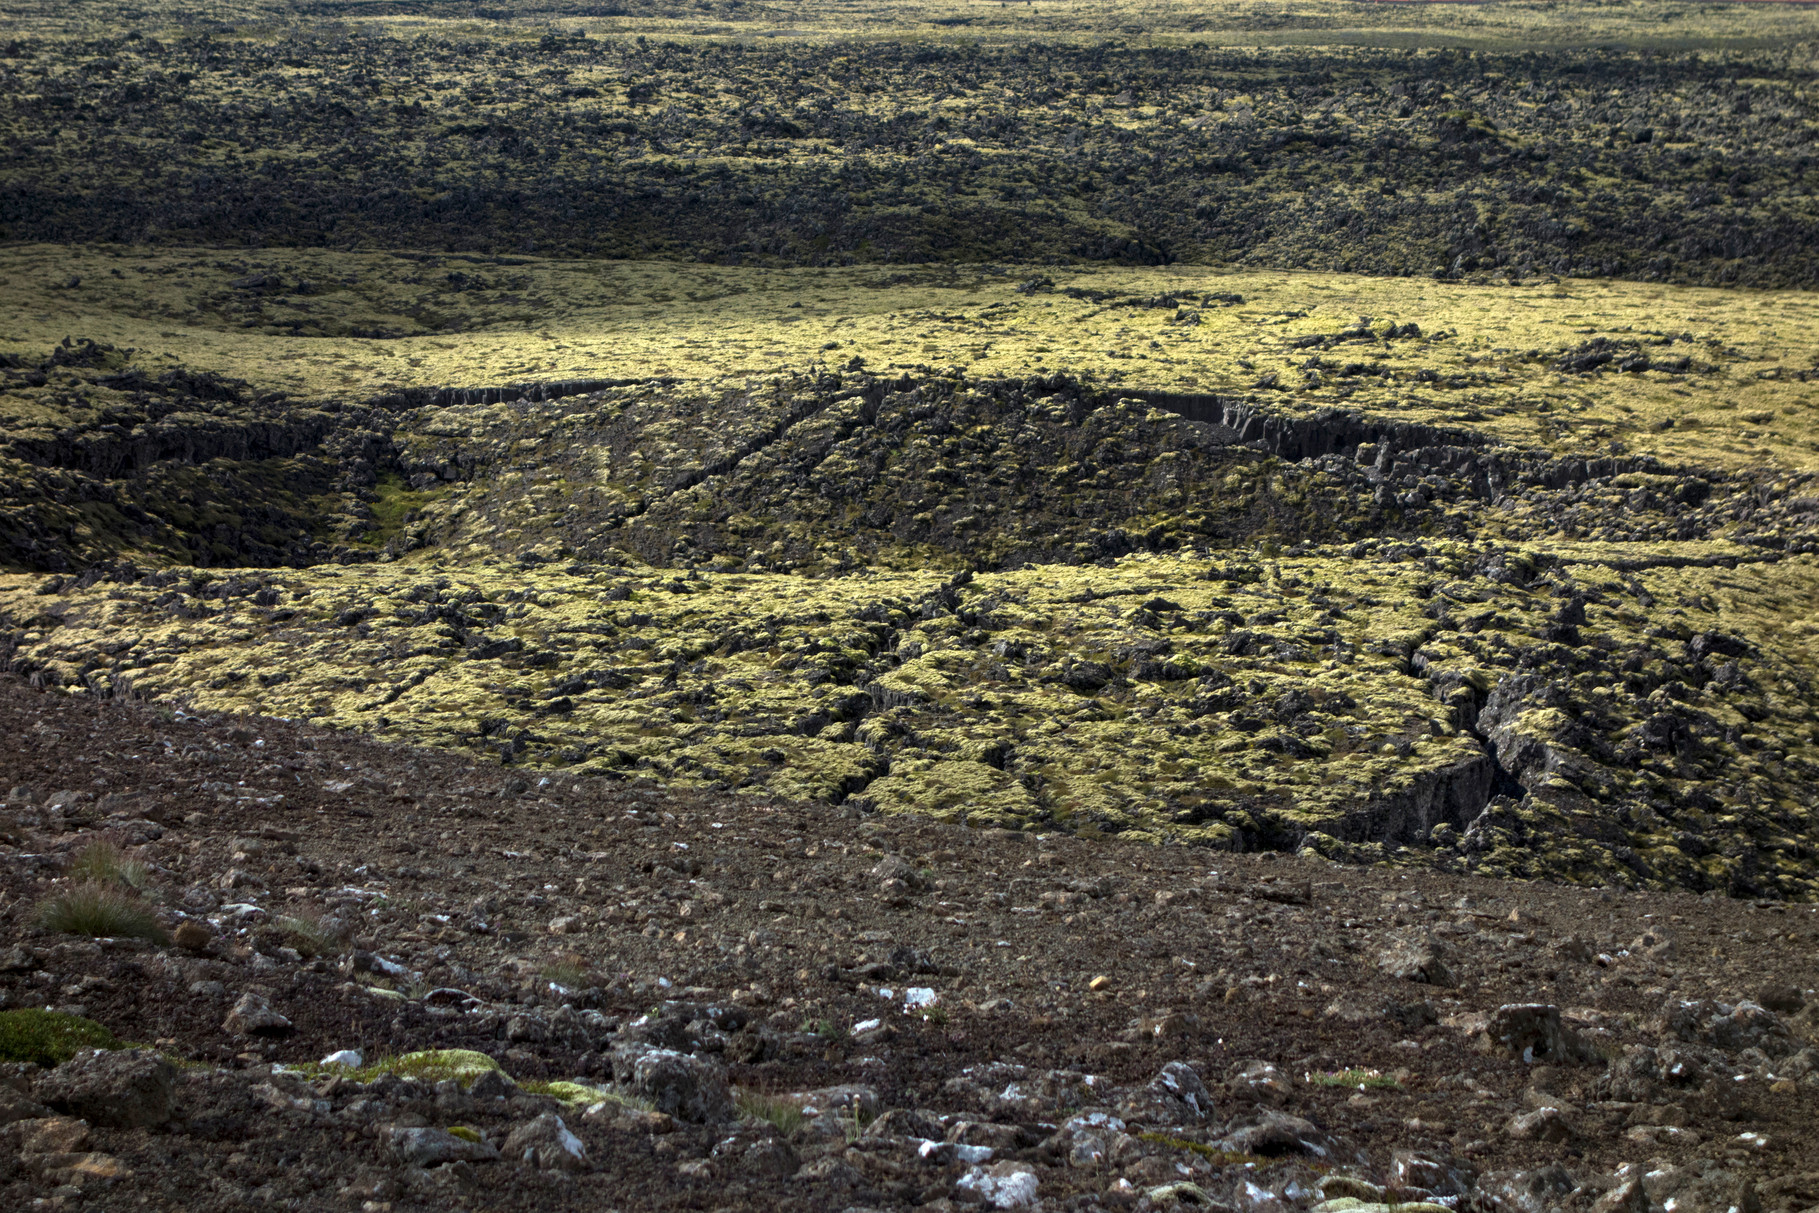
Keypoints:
pixel 1003 1186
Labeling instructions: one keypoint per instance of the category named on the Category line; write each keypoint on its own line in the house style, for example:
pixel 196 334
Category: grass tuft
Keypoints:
pixel 570 971
pixel 103 911
pixel 853 1127
pixel 579 1094
pixel 780 1114
pixel 103 863
pixel 1362 1079
pixel 635 1103
pixel 310 935
pixel 49 1038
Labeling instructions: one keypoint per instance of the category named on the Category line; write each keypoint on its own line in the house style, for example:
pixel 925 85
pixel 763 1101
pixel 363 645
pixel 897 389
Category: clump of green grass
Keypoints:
pixel 103 863
pixel 49 1038
pixel 310 935
pixel 1361 1079
pixel 569 971
pixel 634 1103
pixel 853 1126
pixel 582 1094
pixel 779 1114
pixel 462 1065
pixel 101 910
pixel 827 1029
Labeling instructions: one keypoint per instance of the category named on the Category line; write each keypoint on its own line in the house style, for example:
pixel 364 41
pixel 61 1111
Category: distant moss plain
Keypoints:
pixel 1488 352
pixel 1515 25
pixel 1629 140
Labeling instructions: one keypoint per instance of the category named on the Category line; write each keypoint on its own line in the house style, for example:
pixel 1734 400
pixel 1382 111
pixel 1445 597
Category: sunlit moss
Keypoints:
pixel 1141 699
pixel 1486 359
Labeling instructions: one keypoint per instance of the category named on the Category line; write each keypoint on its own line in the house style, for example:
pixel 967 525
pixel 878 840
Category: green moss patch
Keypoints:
pixel 1332 700
pixel 49 1038
pixel 430 1065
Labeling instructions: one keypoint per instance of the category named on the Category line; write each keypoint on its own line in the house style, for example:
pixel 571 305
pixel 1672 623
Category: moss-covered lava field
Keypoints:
pixel 1386 431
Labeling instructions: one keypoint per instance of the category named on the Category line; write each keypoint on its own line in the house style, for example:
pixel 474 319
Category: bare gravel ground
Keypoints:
pixel 787 1007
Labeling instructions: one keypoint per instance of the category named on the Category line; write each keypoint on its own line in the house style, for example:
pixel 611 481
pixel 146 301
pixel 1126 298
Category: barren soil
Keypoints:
pixel 763 933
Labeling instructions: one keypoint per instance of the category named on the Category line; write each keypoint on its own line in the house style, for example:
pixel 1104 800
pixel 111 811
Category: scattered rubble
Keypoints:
pixel 743 1026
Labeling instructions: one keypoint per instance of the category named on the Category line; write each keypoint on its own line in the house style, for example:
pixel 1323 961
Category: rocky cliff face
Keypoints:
pixel 104 463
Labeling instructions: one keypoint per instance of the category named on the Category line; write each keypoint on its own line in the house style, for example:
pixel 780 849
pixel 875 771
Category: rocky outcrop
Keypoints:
pixel 1392 448
pixel 1452 794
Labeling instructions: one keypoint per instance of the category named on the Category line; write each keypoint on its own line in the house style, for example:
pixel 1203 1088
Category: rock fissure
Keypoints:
pixel 1392 448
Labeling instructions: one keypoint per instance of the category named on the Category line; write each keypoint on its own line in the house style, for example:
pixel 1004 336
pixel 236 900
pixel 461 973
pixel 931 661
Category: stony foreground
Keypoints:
pixel 690 1000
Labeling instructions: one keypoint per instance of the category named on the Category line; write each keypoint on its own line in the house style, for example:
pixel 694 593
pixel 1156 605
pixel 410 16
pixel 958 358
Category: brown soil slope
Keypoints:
pixel 1333 1022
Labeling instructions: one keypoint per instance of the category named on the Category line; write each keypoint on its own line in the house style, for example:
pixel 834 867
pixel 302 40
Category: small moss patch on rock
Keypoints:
pixel 462 1065
pixel 579 1094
